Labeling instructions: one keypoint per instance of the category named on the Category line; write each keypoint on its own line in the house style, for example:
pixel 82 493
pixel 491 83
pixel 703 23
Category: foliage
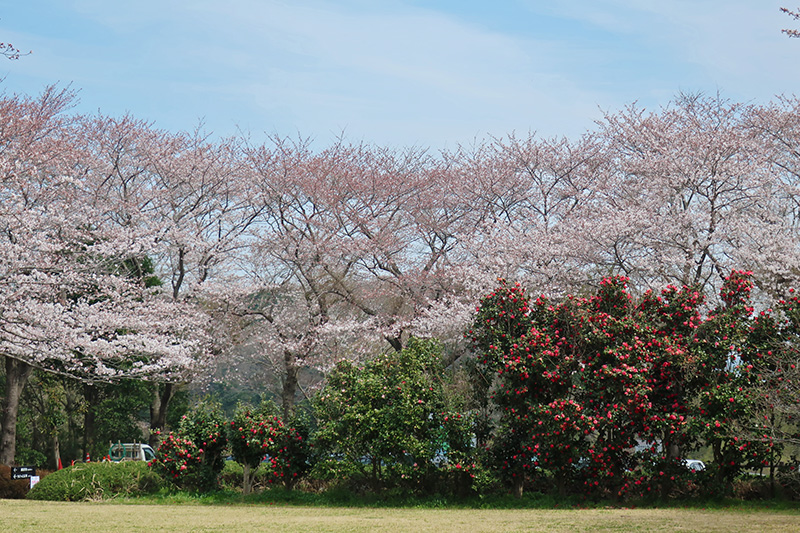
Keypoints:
pixel 118 412
pixel 290 454
pixel 260 437
pixel 97 481
pixel 384 423
pixel 610 393
pixel 250 436
pixel 180 461
pixel 192 458
pixel 204 425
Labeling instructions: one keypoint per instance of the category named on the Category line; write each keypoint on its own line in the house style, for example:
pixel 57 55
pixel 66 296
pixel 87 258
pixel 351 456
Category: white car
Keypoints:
pixel 694 465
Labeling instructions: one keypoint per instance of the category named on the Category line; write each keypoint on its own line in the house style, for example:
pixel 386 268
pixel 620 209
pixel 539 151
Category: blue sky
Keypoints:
pixel 396 72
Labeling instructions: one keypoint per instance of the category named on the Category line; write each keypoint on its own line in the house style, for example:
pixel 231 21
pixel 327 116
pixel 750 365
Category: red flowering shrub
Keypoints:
pixel 192 458
pixel 180 461
pixel 260 439
pixel 289 454
pixel 613 394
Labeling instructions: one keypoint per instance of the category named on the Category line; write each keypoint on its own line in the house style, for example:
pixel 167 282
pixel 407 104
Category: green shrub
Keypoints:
pixel 97 481
pixel 790 484
pixel 29 456
pixel 388 425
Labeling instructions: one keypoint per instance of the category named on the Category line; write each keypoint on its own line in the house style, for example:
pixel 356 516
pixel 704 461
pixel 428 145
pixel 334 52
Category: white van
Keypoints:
pixel 694 465
pixel 130 451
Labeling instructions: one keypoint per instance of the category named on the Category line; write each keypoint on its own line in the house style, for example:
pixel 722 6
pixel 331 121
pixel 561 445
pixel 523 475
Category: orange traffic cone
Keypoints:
pixel 60 466
pixel 87 458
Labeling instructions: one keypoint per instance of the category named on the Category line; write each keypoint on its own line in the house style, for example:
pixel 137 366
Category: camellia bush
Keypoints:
pixel 248 434
pixel 259 438
pixel 606 395
pixel 192 457
pixel 180 461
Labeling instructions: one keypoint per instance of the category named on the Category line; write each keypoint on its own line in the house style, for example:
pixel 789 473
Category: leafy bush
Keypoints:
pixel 250 434
pixel 255 433
pixel 204 425
pixel 193 458
pixel 387 425
pixel 97 481
pixel 180 461
pixel 29 456
pixel 289 454
pixel 790 484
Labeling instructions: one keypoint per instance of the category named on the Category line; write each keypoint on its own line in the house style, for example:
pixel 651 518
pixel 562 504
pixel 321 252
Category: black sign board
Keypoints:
pixel 22 472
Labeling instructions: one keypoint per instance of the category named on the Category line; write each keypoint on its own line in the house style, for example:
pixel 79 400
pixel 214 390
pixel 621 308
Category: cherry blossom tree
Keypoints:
pixel 398 220
pixel 183 197
pixel 294 303
pixel 689 184
pixel 774 250
pixel 66 303
pixel 533 199
pixel 10 51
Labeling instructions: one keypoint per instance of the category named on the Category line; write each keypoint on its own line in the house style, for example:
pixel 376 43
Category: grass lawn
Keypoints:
pixel 23 515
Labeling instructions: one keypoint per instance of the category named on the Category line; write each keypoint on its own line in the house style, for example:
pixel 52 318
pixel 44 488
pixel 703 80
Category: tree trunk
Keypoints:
pixel 247 481
pixel 673 451
pixel 158 411
pixel 772 457
pixel 396 342
pixel 56 449
pixel 376 473
pixel 17 374
pixel 91 395
pixel 289 385
pixel 519 482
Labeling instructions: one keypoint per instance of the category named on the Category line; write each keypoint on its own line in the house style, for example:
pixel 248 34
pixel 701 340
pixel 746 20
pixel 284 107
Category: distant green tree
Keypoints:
pixel 386 422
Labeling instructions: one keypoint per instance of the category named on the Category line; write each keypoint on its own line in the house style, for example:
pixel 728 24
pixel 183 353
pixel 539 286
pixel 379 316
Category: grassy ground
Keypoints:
pixel 23 515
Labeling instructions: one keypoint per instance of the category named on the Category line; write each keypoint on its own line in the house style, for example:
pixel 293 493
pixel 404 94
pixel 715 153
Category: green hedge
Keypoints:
pixel 97 481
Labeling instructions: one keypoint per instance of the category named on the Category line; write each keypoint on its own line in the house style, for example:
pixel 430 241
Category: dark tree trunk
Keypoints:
pixel 91 395
pixel 158 411
pixel 56 449
pixel 673 451
pixel 519 484
pixel 395 342
pixel 17 374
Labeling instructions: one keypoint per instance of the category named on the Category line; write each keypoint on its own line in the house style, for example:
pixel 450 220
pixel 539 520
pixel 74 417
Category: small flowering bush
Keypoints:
pixel 258 438
pixel 289 455
pixel 192 457
pixel 180 461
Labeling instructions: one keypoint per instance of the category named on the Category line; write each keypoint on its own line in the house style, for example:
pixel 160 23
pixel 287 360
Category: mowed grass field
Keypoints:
pixel 23 515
